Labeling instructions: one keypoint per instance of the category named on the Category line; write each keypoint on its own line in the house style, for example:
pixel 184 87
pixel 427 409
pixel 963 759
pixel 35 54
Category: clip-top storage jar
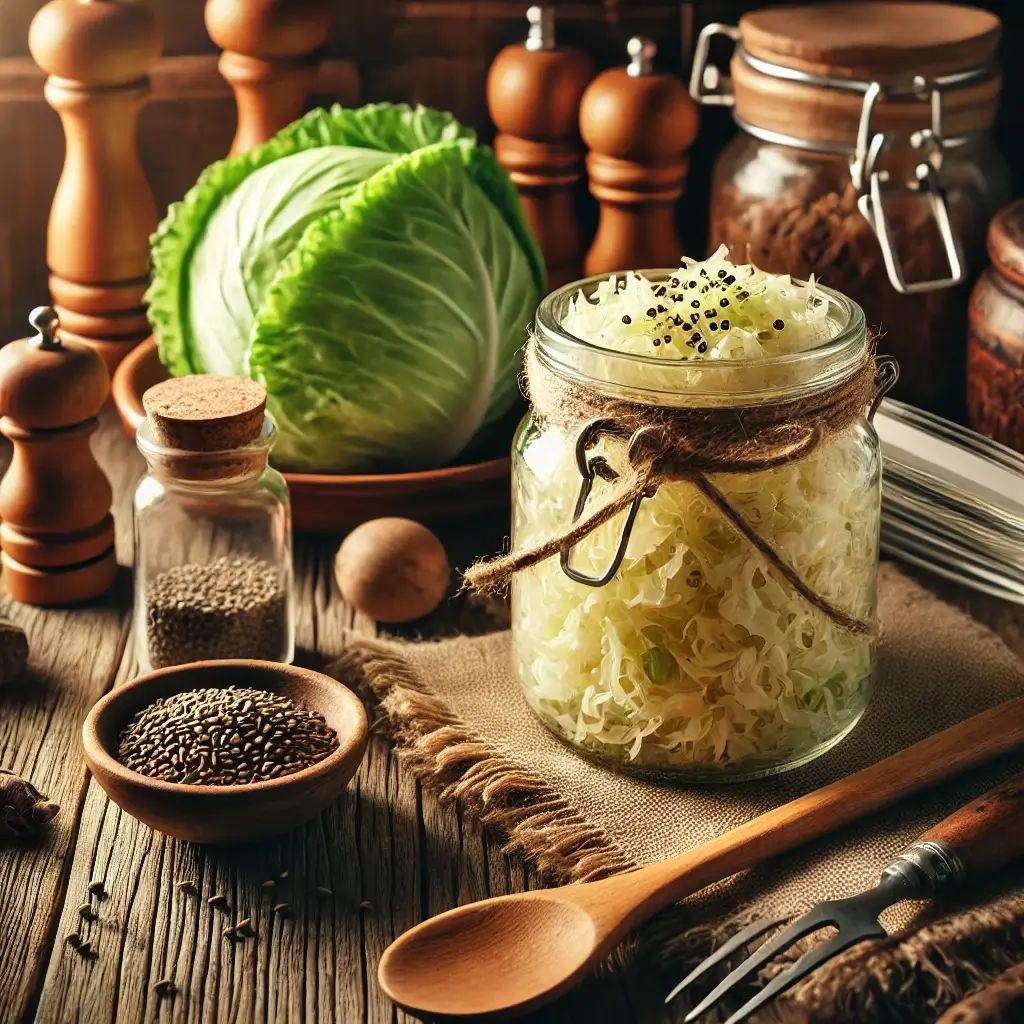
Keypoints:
pixel 863 158
pixel 213 537
pixel 664 641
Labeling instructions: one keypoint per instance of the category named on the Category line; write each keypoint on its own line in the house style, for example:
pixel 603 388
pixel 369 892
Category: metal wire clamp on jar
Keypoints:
pixel 213 560
pixel 610 640
pixel 864 158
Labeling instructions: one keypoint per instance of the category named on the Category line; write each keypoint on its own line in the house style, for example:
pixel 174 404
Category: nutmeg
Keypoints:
pixel 394 570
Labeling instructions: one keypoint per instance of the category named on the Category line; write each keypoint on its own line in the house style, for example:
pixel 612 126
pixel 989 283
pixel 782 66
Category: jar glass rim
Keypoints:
pixel 729 381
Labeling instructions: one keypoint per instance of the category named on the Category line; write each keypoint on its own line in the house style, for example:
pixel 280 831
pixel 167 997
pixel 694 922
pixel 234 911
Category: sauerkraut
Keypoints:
pixel 696 655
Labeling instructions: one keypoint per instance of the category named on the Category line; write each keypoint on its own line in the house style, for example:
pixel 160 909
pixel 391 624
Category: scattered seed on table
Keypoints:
pixel 86 911
pixel 96 889
pixel 324 891
pixel 165 989
pixel 180 738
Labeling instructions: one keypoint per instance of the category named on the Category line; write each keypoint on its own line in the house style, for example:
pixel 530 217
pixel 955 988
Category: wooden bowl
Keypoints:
pixel 331 503
pixel 226 814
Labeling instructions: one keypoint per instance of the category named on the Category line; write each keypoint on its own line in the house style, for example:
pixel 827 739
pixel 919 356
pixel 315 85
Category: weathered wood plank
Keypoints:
pixel 387 853
pixel 73 658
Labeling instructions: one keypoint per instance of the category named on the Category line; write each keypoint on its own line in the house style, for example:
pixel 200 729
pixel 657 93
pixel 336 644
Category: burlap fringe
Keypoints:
pixel 444 753
pixel 916 976
pixel 912 977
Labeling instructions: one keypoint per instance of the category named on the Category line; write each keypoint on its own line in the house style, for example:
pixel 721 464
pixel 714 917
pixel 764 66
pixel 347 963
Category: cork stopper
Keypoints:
pixel 205 412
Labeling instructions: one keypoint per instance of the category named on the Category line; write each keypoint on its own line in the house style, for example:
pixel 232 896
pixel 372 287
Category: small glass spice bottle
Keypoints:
pixel 213 576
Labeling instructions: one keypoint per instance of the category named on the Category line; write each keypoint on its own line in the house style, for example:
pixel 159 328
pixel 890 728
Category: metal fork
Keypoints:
pixel 974 840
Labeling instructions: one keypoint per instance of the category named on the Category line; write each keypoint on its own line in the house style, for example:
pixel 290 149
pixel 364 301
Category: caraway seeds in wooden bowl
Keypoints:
pixel 230 607
pixel 229 736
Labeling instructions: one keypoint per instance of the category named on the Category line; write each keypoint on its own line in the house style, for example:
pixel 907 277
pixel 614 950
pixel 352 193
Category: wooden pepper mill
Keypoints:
pixel 638 126
pixel 57 534
pixel 270 59
pixel 533 93
pixel 97 53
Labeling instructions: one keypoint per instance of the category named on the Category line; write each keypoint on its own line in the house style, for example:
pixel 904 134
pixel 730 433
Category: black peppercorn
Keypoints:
pixel 691 284
pixel 721 274
pixel 660 291
pixel 652 312
pixel 695 304
pixel 725 325
pixel 779 324
pixel 626 319
pixel 695 318
pixel 713 325
pixel 702 347
pixel 723 303
pixel 730 279
pixel 710 314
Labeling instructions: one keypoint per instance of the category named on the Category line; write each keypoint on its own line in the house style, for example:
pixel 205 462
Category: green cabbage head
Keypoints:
pixel 372 268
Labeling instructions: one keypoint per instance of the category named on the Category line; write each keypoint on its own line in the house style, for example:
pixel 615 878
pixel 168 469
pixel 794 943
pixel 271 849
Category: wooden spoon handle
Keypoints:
pixel 988 833
pixel 946 754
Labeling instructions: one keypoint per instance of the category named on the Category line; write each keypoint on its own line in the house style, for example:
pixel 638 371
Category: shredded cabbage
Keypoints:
pixel 696 655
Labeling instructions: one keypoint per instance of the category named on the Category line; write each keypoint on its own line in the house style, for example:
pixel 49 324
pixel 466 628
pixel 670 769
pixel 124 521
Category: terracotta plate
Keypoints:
pixel 328 503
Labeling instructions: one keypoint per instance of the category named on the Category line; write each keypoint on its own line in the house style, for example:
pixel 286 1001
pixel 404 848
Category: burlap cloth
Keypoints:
pixel 456 714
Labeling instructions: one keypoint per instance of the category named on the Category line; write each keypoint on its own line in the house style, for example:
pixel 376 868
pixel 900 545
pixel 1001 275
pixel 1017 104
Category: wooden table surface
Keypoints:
pixel 389 852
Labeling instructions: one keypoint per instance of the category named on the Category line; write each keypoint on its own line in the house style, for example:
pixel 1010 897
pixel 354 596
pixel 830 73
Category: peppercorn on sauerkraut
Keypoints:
pixel 696 655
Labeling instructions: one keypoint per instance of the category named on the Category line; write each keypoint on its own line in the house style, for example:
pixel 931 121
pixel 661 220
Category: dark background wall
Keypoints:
pixel 428 51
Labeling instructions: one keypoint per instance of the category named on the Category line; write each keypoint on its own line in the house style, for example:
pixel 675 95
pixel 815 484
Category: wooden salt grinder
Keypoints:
pixel 533 93
pixel 97 53
pixel 638 126
pixel 57 534
pixel 270 59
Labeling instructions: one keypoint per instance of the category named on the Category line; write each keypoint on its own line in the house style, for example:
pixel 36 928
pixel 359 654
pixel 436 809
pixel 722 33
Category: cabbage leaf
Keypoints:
pixel 389 335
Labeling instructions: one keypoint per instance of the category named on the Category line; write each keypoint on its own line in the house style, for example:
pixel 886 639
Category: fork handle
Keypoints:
pixel 981 837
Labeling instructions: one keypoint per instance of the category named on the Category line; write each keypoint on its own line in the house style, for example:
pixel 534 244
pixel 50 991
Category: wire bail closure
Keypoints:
pixel 710 87
pixel 589 469
pixel 887 372
pixel 873 185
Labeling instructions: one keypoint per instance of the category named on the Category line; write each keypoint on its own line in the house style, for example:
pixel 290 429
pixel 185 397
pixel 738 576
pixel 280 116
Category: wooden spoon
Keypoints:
pixel 508 955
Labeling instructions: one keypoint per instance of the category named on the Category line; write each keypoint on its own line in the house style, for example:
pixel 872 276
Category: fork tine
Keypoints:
pixel 740 939
pixel 810 961
pixel 810 922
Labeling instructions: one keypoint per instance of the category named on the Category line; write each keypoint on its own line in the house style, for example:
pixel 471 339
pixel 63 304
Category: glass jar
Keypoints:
pixel 697 660
pixel 864 159
pixel 995 341
pixel 213 555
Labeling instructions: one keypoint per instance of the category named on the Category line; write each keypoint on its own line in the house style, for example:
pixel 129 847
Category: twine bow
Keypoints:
pixel 687 444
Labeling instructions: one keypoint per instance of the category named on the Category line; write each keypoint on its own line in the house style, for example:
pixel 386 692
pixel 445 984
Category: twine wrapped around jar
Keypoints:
pixel 687 444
